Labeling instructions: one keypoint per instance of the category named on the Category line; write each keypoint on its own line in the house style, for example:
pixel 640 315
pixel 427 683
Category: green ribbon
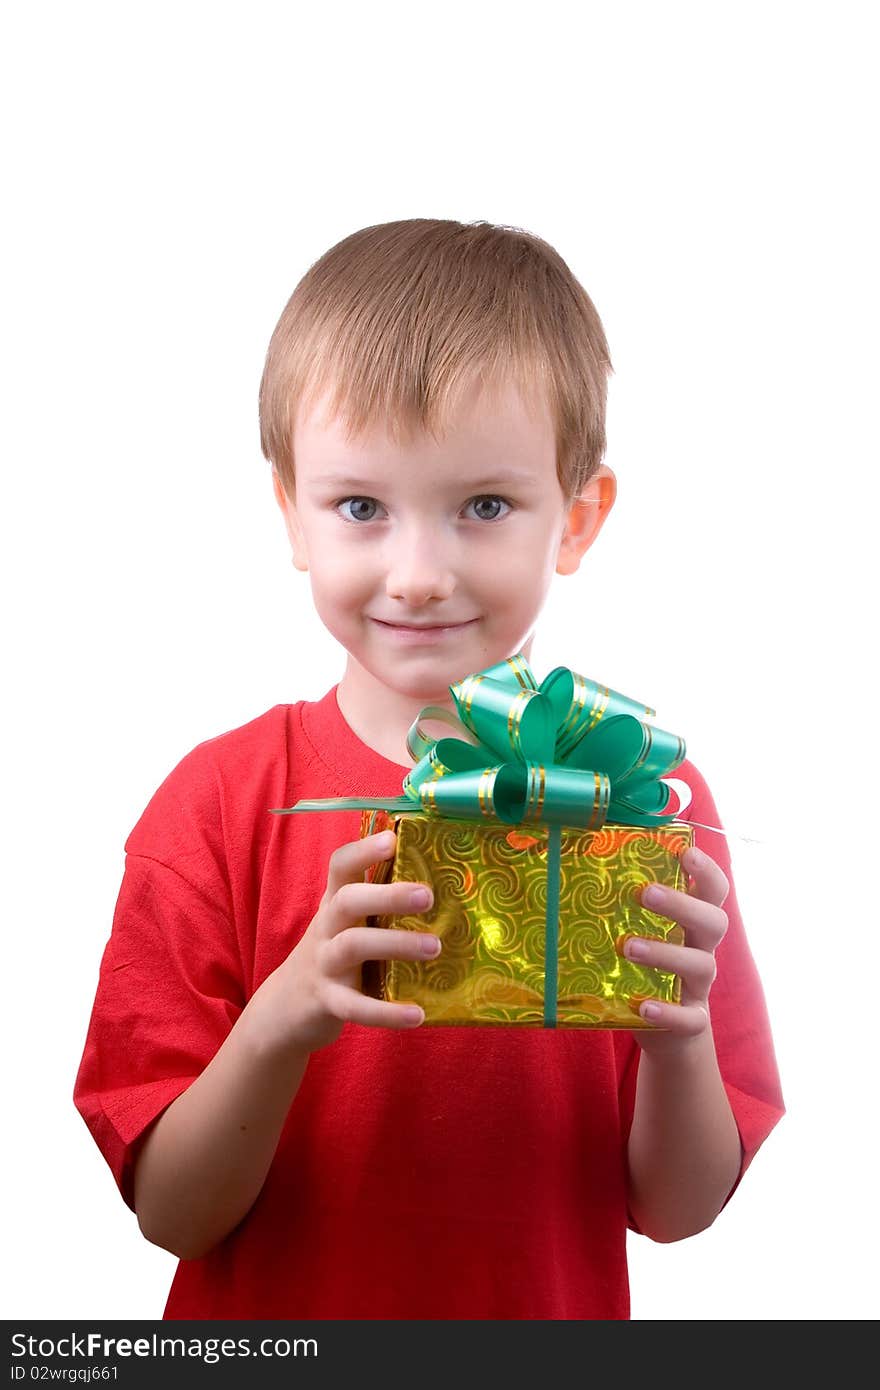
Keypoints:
pixel 566 752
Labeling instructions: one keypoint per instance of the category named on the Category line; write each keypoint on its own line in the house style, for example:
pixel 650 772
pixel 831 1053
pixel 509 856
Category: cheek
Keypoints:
pixel 337 571
pixel 338 584
pixel 517 580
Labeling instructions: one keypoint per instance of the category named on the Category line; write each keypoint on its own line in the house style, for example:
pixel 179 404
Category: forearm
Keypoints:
pixel 684 1148
pixel 204 1162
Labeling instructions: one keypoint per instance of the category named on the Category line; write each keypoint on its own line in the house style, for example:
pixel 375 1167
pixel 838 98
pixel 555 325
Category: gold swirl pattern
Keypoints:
pixel 490 895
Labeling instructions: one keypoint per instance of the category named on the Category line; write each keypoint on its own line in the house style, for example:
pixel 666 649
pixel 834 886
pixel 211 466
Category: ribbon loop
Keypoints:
pixel 519 722
pixel 579 705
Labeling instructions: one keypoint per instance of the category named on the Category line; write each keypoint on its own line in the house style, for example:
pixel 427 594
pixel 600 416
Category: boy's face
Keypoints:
pixel 430 560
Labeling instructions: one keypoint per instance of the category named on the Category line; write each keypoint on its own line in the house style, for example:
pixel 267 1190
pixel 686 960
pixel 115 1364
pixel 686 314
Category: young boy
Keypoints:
pixel 433 409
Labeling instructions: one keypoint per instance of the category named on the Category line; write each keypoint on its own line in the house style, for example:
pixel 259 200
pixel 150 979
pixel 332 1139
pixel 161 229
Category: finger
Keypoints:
pixel 351 1006
pixel 351 948
pixel 349 862
pixel 354 901
pixel 696 968
pixel 704 922
pixel 683 1020
pixel 709 880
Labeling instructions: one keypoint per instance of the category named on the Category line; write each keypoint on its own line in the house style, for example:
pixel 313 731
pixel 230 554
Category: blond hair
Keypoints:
pixel 396 321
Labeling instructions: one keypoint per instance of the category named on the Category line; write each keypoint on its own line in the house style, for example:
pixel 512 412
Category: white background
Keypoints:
pixel 171 170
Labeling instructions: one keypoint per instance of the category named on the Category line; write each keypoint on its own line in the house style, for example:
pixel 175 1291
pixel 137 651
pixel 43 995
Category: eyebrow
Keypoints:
pixel 504 479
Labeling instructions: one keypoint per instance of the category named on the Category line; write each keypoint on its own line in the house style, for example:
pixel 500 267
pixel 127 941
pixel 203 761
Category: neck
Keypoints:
pixel 381 716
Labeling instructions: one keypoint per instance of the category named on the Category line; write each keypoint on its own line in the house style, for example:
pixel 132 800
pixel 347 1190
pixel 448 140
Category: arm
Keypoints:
pixel 684 1149
pixel 204 1162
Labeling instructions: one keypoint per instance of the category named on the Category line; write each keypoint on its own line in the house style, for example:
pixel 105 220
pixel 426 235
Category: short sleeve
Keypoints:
pixel 170 981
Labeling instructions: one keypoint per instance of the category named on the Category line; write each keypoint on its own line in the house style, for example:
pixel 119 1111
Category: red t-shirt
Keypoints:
pixel 438 1173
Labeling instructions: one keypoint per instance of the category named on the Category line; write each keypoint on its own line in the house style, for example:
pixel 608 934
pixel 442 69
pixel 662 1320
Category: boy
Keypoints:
pixel 433 409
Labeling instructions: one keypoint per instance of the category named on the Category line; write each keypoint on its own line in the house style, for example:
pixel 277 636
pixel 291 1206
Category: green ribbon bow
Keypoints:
pixel 566 752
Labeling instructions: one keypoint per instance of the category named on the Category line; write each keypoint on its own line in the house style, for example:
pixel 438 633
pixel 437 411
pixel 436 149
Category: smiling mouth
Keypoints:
pixel 423 627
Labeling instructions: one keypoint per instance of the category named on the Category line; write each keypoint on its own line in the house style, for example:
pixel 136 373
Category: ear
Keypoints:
pixel 292 524
pixel 585 519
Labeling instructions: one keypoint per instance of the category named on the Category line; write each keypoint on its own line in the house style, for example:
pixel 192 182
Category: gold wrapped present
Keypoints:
pixel 490 884
pixel 536 831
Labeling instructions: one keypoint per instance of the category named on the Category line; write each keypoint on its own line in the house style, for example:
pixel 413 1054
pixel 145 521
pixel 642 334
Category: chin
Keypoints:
pixel 425 686
pixel 422 676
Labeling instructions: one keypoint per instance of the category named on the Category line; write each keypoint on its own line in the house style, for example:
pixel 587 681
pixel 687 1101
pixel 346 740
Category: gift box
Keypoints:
pixel 536 827
pixel 490 886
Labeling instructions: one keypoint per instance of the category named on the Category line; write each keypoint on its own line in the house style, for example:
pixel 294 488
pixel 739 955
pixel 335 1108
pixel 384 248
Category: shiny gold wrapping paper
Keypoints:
pixel 490 894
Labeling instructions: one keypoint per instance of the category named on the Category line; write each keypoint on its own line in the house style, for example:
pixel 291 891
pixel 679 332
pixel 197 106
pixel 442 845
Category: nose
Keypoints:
pixel 419 567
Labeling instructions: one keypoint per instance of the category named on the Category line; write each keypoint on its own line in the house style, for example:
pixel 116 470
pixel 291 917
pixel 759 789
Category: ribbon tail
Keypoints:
pixel 728 834
pixel 352 803
pixel 551 926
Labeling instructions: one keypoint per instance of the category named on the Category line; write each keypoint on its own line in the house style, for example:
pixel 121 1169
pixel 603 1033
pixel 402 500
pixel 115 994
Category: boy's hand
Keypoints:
pixel 305 1002
pixel 702 915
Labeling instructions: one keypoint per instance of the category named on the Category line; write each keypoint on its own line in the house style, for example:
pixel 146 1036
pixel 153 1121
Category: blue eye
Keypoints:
pixel 493 500
pixel 360 503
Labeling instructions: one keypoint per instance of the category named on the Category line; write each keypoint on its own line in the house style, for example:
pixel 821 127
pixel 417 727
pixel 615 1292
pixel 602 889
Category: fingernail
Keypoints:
pixel 652 1011
pixel 654 895
pixel 413 1014
pixel 430 946
pixel 636 949
pixel 420 897
pixel 693 858
pixel 386 841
